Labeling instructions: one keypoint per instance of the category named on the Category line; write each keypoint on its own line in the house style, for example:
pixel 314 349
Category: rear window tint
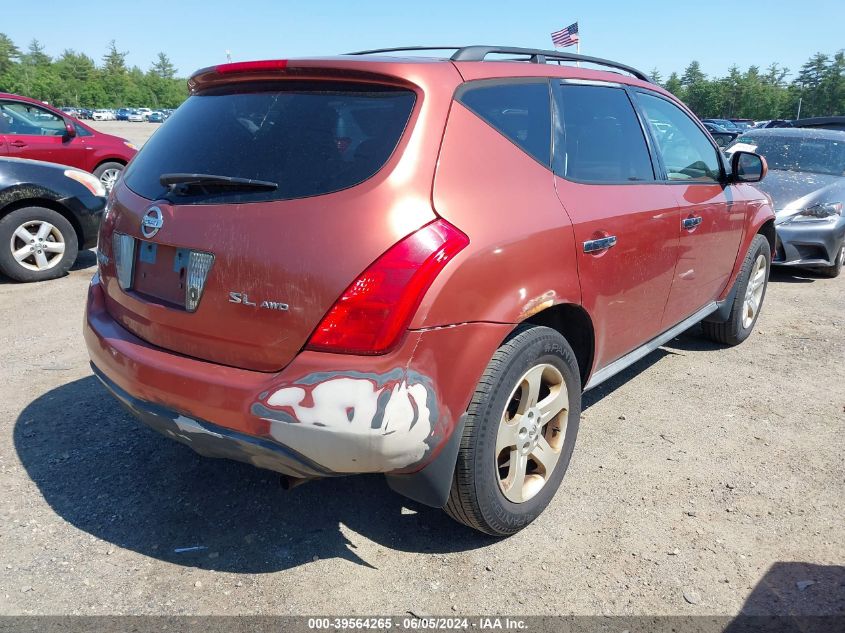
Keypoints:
pixel 520 111
pixel 310 138
pixel 601 139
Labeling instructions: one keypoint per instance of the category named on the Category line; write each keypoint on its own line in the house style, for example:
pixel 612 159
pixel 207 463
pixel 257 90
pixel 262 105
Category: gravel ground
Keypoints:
pixel 137 133
pixel 705 481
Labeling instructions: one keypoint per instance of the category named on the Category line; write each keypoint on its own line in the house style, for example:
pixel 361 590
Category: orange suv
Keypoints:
pixel 416 265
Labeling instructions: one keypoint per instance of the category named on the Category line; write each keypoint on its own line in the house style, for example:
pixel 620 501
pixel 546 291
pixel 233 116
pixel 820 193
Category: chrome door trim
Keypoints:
pixel 632 357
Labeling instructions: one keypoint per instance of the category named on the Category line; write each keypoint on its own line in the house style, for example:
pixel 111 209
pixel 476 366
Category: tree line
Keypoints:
pixel 819 86
pixel 75 79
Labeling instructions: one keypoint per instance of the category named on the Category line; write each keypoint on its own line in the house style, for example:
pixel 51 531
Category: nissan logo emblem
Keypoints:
pixel 152 222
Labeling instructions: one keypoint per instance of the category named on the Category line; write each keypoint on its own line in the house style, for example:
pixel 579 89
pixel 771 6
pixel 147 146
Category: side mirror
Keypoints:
pixel 70 130
pixel 748 167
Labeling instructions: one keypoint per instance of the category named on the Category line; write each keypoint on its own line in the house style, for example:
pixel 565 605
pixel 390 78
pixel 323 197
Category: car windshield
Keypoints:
pixel 790 153
pixel 311 138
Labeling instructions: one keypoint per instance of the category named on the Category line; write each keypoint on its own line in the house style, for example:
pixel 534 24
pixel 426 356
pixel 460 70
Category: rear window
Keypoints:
pixel 309 138
pixel 519 110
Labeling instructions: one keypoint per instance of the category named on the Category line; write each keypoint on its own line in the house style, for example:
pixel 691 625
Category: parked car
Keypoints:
pixel 480 275
pixel 48 212
pixel 144 112
pixel 725 124
pixel 123 114
pixel 31 129
pixel 156 117
pixel 806 182
pixel 722 137
pixel 136 116
pixel 742 124
pixel 102 115
pixel 822 122
pixel 68 111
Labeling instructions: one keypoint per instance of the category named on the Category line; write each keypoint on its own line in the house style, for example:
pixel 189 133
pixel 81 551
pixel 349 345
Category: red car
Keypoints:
pixel 416 266
pixel 34 130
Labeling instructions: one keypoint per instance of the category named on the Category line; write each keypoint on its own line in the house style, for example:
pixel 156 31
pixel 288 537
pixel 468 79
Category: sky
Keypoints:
pixel 644 34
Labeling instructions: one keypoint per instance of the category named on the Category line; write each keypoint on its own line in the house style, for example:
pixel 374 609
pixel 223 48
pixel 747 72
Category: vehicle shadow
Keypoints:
pixel 787 275
pixel 794 596
pixel 85 259
pixel 110 476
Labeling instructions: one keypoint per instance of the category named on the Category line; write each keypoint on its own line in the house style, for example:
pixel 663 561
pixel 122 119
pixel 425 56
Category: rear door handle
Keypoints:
pixel 601 244
pixel 17 143
pixel 691 223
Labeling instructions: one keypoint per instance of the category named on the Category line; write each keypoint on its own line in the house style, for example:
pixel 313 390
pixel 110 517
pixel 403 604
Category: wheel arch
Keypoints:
pixel 768 231
pixel 103 161
pixel 575 325
pixel 53 205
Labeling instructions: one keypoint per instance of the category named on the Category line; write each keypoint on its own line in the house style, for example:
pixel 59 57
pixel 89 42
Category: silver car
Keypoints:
pixel 806 182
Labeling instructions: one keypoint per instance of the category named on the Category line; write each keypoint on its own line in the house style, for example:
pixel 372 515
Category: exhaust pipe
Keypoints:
pixel 289 483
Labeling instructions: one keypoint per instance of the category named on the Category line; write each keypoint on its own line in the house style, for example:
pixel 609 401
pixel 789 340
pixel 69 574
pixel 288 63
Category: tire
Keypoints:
pixel 484 495
pixel 46 228
pixel 833 271
pixel 108 173
pixel 749 297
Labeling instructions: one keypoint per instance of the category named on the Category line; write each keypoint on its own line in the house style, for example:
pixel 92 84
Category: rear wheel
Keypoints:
pixel 833 271
pixel 519 435
pixel 752 281
pixel 36 244
pixel 108 173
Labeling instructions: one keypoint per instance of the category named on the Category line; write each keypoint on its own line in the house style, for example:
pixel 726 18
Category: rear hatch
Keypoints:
pixel 251 210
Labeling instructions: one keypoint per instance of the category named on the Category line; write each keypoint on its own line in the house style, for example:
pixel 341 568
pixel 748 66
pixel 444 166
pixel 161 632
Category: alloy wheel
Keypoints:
pixel 754 291
pixel 109 178
pixel 531 433
pixel 37 245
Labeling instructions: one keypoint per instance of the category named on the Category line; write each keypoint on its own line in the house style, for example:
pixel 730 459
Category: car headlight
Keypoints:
pixel 91 183
pixel 130 145
pixel 821 211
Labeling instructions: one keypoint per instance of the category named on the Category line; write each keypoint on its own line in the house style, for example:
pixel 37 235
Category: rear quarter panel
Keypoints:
pixel 521 257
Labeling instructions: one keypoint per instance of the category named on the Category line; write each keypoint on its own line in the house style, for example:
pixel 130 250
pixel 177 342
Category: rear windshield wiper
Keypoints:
pixel 180 183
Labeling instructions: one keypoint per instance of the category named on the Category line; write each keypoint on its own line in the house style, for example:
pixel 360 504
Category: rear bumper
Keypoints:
pixel 212 440
pixel 323 415
pixel 809 244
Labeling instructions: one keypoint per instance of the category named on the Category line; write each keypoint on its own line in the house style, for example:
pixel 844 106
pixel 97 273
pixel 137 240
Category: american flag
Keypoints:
pixel 566 37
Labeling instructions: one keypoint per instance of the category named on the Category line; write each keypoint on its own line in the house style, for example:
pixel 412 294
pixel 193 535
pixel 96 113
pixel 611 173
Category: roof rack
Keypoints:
pixel 535 56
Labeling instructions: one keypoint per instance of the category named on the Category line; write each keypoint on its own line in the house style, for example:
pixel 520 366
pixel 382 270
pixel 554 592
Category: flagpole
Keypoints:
pixel 578 46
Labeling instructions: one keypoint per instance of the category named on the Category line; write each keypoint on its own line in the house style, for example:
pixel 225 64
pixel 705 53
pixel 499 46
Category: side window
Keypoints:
pixel 686 151
pixel 518 110
pixel 25 118
pixel 600 138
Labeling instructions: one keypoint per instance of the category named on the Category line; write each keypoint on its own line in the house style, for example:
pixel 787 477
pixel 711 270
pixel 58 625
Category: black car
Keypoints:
pixel 722 136
pixel 48 213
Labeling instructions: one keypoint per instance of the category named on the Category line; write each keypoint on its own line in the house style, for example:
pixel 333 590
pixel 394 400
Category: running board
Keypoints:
pixel 632 357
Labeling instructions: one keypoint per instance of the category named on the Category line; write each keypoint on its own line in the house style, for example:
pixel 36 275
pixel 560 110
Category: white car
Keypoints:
pixel 136 116
pixel 101 115
pixel 145 112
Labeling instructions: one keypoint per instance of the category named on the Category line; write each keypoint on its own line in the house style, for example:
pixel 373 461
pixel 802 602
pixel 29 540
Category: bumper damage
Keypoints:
pixel 808 243
pixel 323 415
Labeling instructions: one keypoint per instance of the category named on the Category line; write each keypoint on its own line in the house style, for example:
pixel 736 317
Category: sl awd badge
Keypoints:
pixel 243 299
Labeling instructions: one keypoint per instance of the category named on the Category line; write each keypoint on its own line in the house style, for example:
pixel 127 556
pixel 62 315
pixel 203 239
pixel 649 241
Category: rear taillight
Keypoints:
pixel 252 67
pixel 198 266
pixel 123 250
pixel 377 307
